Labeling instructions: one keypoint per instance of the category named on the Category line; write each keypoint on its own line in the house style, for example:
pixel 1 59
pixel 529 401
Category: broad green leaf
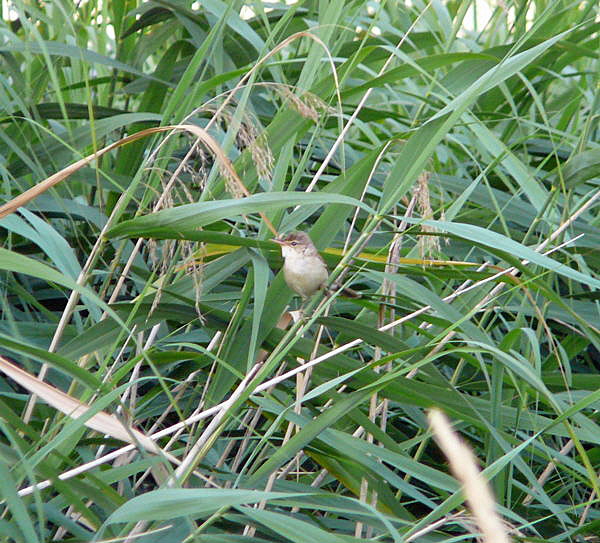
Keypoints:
pixel 205 213
pixel 291 528
pixel 582 167
pixel 70 51
pixel 497 241
pixel 169 503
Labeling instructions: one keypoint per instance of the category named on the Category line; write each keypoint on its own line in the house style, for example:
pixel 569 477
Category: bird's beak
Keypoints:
pixel 279 241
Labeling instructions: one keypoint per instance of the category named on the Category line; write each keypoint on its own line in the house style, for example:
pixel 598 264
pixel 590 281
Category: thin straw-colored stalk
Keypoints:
pixel 464 467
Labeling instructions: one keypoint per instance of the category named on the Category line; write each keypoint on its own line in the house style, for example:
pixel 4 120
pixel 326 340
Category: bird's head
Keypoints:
pixel 296 244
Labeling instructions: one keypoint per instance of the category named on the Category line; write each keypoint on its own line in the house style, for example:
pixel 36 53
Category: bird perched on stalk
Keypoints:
pixel 304 269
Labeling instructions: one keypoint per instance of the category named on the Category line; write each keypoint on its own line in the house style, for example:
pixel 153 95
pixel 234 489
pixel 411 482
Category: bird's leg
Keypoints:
pixel 345 291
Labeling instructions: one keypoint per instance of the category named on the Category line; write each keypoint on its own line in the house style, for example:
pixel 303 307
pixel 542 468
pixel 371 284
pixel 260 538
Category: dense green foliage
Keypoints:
pixel 144 284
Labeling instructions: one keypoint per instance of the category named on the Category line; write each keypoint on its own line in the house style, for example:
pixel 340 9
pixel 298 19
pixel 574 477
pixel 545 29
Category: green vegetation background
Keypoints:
pixel 443 156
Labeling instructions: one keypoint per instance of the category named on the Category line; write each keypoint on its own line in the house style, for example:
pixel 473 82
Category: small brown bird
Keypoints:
pixel 304 269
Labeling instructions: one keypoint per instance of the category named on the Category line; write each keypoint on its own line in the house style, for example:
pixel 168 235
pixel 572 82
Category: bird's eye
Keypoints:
pixel 294 243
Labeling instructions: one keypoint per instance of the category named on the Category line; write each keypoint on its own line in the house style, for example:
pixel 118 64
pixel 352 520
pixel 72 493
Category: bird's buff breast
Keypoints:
pixel 304 277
